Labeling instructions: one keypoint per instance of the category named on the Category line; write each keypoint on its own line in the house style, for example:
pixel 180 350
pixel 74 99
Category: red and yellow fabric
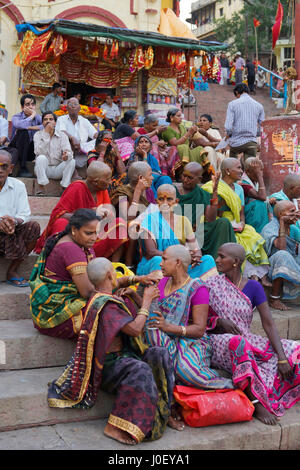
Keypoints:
pixel 33 48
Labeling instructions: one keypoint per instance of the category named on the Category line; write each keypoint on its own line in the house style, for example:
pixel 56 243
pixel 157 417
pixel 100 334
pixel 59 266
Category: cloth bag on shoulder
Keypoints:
pixel 210 407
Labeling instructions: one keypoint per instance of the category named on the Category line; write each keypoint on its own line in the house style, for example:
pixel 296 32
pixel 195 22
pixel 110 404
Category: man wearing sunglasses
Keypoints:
pixel 18 234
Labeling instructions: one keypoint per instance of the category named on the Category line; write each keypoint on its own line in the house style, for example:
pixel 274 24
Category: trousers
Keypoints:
pixel 63 171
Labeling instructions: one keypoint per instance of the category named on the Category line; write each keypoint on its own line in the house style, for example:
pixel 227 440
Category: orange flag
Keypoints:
pixel 256 23
pixel 277 25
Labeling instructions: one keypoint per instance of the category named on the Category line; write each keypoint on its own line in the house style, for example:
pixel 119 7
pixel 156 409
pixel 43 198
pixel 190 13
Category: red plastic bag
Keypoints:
pixel 209 407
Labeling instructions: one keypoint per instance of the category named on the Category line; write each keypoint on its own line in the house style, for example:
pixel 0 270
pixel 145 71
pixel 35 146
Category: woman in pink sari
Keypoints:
pixel 167 157
pixel 266 368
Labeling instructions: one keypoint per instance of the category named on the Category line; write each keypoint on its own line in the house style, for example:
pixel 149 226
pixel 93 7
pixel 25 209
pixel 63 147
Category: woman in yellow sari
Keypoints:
pixel 257 264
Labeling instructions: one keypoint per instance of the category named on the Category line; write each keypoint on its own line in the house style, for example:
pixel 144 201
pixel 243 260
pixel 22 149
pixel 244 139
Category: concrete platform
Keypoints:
pixel 23 400
pixel 88 435
pixel 26 348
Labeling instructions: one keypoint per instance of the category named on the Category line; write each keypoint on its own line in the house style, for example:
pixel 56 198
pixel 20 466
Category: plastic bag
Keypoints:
pixel 210 407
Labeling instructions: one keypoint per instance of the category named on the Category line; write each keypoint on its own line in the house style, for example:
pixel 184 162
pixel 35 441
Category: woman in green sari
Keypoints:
pixel 177 135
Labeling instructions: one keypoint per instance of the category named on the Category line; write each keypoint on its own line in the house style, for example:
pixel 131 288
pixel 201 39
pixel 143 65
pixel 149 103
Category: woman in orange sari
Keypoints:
pixel 89 194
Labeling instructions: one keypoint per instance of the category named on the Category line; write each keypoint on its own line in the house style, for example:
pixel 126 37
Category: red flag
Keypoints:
pixel 256 23
pixel 277 25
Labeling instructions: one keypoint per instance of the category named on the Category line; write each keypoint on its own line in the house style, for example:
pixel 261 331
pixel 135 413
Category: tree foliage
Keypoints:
pixel 238 31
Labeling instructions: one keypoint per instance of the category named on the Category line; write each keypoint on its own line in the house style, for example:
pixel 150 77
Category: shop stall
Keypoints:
pixel 141 70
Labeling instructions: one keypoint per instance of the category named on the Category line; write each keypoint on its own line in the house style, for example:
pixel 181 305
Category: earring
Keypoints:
pixel 234 265
pixel 73 234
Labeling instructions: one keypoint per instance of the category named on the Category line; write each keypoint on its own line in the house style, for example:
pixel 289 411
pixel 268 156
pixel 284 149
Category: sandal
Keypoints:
pixel 40 193
pixel 14 280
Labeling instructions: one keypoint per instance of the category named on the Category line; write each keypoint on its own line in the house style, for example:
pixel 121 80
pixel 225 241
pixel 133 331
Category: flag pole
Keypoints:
pixel 255 29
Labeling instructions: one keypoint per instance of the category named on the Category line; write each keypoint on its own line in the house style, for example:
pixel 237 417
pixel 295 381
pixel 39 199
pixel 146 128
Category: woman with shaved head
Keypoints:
pixel 164 228
pixel 89 194
pixel 232 207
pixel 179 322
pixel 264 367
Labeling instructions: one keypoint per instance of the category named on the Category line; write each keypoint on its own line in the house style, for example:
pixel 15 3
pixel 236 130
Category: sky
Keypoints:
pixel 185 9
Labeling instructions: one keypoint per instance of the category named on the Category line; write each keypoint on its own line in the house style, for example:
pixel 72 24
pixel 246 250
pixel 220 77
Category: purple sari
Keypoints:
pixel 250 357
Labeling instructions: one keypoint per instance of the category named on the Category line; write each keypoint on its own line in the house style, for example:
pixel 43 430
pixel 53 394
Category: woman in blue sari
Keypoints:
pixel 164 228
pixel 142 152
pixel 178 319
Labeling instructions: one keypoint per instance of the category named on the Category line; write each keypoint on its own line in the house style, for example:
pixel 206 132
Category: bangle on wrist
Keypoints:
pixel 285 361
pixel 143 311
pixel 183 331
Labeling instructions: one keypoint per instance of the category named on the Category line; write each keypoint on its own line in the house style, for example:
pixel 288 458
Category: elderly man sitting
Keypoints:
pixel 53 154
pixel 284 255
pixel 79 130
pixel 18 235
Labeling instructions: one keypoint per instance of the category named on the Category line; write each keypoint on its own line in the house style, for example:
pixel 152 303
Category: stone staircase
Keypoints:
pixel 29 360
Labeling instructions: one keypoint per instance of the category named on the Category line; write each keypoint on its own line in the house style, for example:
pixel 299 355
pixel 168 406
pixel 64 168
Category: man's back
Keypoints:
pixel 244 115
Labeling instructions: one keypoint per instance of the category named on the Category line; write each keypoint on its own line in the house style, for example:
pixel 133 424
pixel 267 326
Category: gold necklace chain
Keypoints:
pixel 182 285
pixel 238 286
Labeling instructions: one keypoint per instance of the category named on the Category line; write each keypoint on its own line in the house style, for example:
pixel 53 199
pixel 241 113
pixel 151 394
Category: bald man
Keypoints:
pixel 18 234
pixel 79 130
pixel 90 194
pixel 256 209
pixel 290 192
pixel 284 254
pixel 141 378
pixel 195 202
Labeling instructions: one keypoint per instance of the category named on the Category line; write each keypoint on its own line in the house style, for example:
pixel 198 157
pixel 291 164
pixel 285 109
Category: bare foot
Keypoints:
pixel 176 423
pixel 278 305
pixel 264 415
pixel 118 435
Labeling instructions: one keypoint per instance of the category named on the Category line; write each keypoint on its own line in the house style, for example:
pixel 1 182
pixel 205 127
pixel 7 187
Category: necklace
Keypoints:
pixel 238 286
pixel 182 285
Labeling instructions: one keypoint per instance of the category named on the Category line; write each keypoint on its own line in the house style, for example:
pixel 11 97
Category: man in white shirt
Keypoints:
pixel 112 113
pixel 53 154
pixel 79 130
pixel 18 234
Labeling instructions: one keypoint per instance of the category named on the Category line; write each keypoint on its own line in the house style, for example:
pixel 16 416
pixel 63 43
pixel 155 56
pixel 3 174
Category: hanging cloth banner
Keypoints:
pixel 277 25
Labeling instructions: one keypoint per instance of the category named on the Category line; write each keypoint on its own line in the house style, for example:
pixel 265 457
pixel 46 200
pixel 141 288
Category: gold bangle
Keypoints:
pixel 283 362
pixel 143 311
pixel 183 331
pixel 131 279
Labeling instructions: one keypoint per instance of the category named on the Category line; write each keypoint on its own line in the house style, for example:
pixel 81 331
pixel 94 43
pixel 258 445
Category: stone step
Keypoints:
pixel 27 423
pixel 14 302
pixel 42 205
pixel 23 400
pixel 24 270
pixel 24 347
pixel 42 220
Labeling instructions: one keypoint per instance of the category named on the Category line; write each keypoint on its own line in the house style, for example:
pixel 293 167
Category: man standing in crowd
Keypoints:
pixel 112 113
pixel 24 126
pixel 239 65
pixel 53 154
pixel 52 101
pixel 78 129
pixel 18 235
pixel 224 68
pixel 243 119
pixel 250 75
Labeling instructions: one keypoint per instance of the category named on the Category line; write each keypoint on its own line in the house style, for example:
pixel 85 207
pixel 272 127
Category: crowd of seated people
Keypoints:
pixel 202 243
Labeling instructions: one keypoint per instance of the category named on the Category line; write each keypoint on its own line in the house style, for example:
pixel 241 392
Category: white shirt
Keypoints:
pixel 111 112
pixel 3 127
pixel 14 200
pixel 52 147
pixel 81 130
